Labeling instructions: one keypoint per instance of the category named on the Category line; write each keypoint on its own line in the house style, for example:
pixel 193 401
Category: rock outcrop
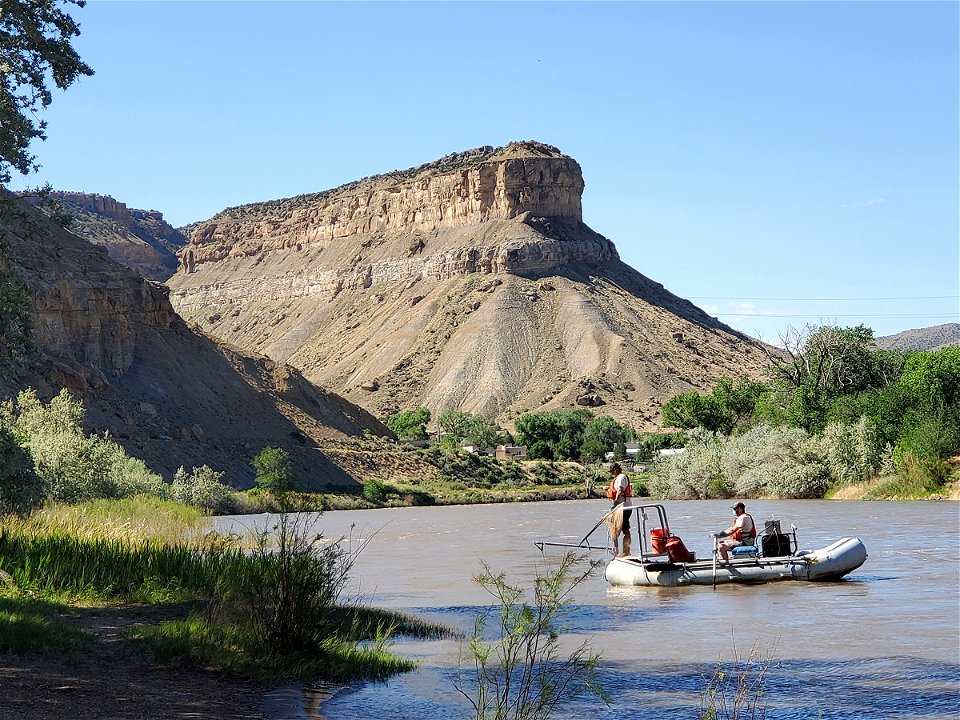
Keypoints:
pixel 138 239
pixel 468 283
pixel 170 395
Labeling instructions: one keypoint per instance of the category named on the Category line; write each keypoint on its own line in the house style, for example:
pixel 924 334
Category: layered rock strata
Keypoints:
pixel 138 239
pixel 170 395
pixel 468 283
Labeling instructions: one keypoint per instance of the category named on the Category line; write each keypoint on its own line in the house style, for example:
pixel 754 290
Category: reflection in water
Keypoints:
pixel 881 644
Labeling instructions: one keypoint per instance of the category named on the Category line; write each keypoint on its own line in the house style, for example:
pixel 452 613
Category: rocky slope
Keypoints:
pixel 170 395
pixel 139 239
pixel 930 338
pixel 470 282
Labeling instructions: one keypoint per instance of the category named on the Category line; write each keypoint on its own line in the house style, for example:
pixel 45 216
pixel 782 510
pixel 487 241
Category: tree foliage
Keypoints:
pixel 570 435
pixel 75 466
pixel 274 470
pixel 21 489
pixel 35 48
pixel 467 429
pixel 410 424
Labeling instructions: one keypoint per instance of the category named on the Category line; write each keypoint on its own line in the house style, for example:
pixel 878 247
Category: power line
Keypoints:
pixel 927 297
pixel 831 315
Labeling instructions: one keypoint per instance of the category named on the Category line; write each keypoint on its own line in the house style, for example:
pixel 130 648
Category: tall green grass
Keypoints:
pixel 268 610
pixel 59 562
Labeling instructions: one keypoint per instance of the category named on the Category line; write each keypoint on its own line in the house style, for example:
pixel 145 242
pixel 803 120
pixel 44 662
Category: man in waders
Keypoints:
pixel 619 491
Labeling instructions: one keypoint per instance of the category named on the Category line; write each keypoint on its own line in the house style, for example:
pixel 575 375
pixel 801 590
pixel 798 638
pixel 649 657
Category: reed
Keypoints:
pixel 58 562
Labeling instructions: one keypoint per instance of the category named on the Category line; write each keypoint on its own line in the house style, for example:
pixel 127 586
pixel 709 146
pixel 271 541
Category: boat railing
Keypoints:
pixel 648 517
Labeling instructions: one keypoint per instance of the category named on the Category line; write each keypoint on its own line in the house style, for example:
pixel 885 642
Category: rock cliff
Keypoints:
pixel 468 283
pixel 138 239
pixel 170 395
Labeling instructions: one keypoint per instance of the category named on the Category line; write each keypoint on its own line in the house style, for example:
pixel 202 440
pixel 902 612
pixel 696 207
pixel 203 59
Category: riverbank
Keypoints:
pixel 106 677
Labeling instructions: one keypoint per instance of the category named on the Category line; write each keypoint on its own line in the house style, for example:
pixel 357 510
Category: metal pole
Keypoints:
pixel 714 563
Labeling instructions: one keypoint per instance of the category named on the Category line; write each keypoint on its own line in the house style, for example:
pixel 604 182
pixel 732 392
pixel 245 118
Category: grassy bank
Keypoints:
pixel 267 607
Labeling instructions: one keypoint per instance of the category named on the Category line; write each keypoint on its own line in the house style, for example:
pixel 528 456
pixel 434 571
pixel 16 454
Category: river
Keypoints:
pixel 882 643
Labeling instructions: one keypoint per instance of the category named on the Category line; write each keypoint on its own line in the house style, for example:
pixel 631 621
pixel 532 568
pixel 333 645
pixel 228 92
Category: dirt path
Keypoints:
pixel 109 680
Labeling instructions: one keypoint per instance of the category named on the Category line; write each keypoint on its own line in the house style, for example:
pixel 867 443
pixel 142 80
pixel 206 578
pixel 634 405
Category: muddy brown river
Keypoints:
pixel 882 643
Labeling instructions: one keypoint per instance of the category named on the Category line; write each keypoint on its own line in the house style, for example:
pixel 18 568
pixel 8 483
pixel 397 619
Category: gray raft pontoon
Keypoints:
pixel 774 557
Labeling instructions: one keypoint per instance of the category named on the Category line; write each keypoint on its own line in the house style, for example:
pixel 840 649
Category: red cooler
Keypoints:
pixel 677 550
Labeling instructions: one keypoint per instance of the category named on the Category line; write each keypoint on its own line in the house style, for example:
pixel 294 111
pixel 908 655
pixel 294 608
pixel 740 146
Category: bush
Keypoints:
pixel 764 461
pixel 74 466
pixel 852 453
pixel 376 491
pixel 202 487
pixel 696 474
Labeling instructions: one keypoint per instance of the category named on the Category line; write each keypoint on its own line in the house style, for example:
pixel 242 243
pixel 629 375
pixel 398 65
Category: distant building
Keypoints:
pixel 475 449
pixel 670 452
pixel 511 452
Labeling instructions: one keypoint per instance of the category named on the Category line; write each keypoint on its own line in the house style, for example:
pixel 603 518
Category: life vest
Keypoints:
pixel 738 534
pixel 612 490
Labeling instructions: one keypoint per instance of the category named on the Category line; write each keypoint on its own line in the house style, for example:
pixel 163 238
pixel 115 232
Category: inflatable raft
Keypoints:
pixel 663 560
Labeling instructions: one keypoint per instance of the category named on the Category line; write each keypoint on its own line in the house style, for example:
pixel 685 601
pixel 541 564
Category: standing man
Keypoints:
pixel 619 491
pixel 742 532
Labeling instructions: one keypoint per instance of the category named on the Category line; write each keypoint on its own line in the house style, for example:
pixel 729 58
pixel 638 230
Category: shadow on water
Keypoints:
pixel 881 688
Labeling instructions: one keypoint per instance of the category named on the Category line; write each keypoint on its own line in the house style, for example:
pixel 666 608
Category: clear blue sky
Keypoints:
pixel 777 163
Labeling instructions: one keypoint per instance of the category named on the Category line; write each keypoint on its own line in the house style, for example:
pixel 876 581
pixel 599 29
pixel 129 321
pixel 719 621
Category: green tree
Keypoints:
pixel 468 429
pixel 410 424
pixel 274 470
pixel 553 427
pixel 933 378
pixel 819 365
pixel 34 48
pixel 729 406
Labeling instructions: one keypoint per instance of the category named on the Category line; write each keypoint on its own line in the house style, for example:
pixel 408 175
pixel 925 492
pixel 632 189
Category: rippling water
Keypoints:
pixel 883 643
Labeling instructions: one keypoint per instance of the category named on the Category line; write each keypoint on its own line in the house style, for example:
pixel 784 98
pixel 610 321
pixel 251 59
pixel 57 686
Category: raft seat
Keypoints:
pixel 744 551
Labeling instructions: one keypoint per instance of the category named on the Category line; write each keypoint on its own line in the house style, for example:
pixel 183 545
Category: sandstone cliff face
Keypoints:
pixel 469 283
pixel 170 395
pixel 138 239
pixel 459 190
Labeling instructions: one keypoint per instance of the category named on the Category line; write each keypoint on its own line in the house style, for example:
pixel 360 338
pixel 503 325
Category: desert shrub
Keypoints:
pixel 851 452
pixel 524 672
pixel 202 487
pixel 696 474
pixel 286 588
pixel 376 491
pixel 75 466
pixel 777 462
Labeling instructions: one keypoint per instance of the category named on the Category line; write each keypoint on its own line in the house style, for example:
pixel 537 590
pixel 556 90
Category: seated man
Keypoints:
pixel 742 532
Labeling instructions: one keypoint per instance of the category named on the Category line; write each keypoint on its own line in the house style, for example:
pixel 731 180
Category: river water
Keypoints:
pixel 882 643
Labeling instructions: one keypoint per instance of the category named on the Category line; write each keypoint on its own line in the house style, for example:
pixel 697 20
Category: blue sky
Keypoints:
pixel 777 163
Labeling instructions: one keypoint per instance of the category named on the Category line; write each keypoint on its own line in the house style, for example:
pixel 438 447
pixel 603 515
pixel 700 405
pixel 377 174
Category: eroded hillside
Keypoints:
pixel 471 282
pixel 170 395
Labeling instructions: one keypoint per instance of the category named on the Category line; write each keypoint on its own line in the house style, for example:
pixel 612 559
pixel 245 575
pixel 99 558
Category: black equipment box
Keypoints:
pixel 775 545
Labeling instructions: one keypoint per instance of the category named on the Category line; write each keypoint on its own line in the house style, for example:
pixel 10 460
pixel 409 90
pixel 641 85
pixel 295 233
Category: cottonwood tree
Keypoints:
pixel 819 365
pixel 34 48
